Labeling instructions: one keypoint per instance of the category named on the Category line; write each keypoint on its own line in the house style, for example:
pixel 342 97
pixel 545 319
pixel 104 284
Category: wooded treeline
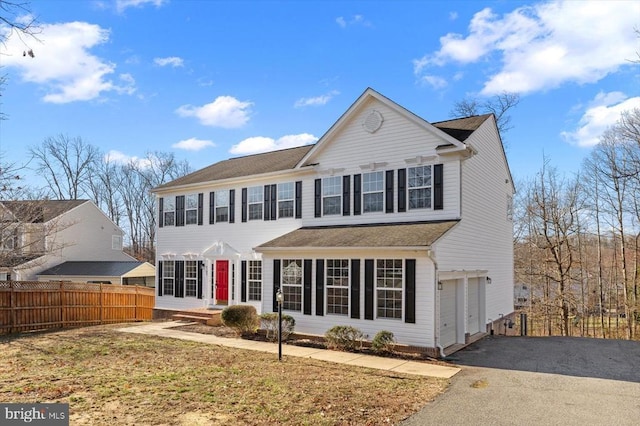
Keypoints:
pixel 577 240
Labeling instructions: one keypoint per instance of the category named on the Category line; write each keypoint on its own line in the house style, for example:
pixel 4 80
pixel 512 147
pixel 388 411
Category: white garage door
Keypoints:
pixel 473 306
pixel 448 313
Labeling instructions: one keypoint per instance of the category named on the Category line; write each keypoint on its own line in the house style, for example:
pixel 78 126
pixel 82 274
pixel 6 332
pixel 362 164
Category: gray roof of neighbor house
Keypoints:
pixel 418 234
pixel 93 268
pixel 38 211
pixel 287 159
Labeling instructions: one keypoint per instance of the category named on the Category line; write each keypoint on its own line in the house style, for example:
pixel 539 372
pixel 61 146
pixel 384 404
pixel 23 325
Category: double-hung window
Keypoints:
pixel 169 211
pixel 389 278
pixel 332 195
pixel 222 206
pixel 191 209
pixel 285 199
pixel 255 280
pixel 255 201
pixel 168 277
pixel 337 286
pixel 373 192
pixel 292 284
pixel 420 187
pixel 190 278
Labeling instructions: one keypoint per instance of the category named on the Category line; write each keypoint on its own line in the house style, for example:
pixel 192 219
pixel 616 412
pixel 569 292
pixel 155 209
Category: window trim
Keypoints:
pixel 298 285
pixel 415 188
pixel 338 194
pixel 291 200
pixel 168 290
pixel 218 205
pixel 187 209
pixel 259 190
pixel 169 202
pixel 381 191
pixel 193 265
pixel 401 290
pixel 254 267
pixel 328 287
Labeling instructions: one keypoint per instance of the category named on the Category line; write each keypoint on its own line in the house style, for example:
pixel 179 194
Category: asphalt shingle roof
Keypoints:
pixel 37 211
pixel 420 234
pixel 93 268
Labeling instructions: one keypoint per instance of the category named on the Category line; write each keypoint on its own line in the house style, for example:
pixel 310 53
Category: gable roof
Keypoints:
pixel 273 161
pixel 93 268
pixel 415 234
pixel 454 132
pixel 38 211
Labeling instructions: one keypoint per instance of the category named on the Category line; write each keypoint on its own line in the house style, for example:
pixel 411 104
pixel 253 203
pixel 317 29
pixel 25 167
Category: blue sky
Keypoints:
pixel 208 80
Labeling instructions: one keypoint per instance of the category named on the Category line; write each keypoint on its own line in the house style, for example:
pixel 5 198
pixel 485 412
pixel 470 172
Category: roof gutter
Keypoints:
pixel 424 249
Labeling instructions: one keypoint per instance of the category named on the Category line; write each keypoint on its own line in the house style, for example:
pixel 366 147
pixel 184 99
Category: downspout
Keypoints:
pixel 436 335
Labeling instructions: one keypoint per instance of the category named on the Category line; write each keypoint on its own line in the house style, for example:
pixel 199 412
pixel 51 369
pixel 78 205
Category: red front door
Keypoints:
pixel 222 281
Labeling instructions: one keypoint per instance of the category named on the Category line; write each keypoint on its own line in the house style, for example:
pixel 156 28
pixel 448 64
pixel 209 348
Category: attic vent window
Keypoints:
pixel 372 122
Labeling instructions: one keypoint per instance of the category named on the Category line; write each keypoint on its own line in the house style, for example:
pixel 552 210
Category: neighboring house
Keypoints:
pixel 103 272
pixel 388 222
pixel 37 235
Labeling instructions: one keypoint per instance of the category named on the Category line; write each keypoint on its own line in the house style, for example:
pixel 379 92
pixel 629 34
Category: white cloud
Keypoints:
pixel 119 157
pixel 340 20
pixel 224 111
pixel 63 64
pixel 173 61
pixel 604 111
pixel 434 81
pixel 193 144
pixel 541 47
pixel 260 144
pixel 121 5
pixel 318 100
pixel 355 20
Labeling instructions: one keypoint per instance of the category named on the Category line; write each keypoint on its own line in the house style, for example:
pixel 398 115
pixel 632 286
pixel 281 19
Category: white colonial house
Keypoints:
pixel 389 222
pixel 37 235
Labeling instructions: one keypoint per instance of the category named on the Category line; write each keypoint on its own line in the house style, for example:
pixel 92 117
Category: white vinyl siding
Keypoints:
pixel 337 284
pixel 191 209
pixel 285 199
pixel 255 201
pixel 332 195
pixel 372 192
pixel 419 184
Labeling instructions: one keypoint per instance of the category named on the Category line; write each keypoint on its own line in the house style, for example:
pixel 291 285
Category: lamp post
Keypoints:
pixel 280 299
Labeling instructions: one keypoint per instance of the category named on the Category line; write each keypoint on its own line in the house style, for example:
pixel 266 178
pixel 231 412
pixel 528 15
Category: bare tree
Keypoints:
pixel 67 164
pixel 499 106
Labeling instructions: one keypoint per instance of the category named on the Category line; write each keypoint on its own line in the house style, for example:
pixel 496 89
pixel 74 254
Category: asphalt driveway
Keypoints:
pixel 541 381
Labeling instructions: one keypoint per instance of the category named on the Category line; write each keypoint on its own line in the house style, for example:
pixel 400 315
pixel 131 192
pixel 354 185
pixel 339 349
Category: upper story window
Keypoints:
pixel 373 192
pixel 255 200
pixel 286 195
pixel 191 209
pixel 169 211
pixel 116 242
pixel 420 187
pixel 332 195
pixel 509 207
pixel 8 240
pixel 222 206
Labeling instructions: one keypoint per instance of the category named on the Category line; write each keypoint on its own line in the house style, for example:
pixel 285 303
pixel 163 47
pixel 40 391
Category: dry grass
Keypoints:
pixel 108 377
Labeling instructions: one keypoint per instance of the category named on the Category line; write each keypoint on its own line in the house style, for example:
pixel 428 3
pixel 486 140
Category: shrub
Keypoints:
pixel 344 337
pixel 242 318
pixel 270 324
pixel 383 341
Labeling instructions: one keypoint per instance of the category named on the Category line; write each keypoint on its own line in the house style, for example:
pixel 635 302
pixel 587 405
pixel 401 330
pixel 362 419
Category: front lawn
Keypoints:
pixel 108 377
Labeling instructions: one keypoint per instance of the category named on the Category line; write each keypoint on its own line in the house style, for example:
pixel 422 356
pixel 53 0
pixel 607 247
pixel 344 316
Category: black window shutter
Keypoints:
pixel 244 204
pixel 243 281
pixel 410 288
pixel 437 187
pixel 232 205
pixel 319 287
pixel 357 194
pixel 160 288
pixel 368 289
pixel 274 202
pixel 298 202
pixel 178 290
pixel 267 203
pixel 200 273
pixel 161 212
pixel 200 203
pixel 388 182
pixel 346 195
pixel 318 198
pixel 180 210
pixel 276 283
pixel 355 288
pixel 402 190
pixel 306 296
pixel 212 208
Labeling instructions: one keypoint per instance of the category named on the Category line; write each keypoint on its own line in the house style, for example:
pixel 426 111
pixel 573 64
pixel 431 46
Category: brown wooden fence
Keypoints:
pixel 33 305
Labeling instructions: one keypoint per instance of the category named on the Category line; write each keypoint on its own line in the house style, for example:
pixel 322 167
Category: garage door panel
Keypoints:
pixel 448 327
pixel 473 307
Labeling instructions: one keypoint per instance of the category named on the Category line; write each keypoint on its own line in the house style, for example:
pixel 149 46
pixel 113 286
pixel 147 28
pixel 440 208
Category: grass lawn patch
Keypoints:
pixel 114 378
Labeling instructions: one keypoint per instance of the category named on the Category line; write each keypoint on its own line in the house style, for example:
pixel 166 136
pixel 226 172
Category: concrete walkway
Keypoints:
pixel 420 368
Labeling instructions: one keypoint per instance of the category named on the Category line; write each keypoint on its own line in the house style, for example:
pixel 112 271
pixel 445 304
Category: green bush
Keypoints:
pixel 269 323
pixel 242 318
pixel 383 341
pixel 344 337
